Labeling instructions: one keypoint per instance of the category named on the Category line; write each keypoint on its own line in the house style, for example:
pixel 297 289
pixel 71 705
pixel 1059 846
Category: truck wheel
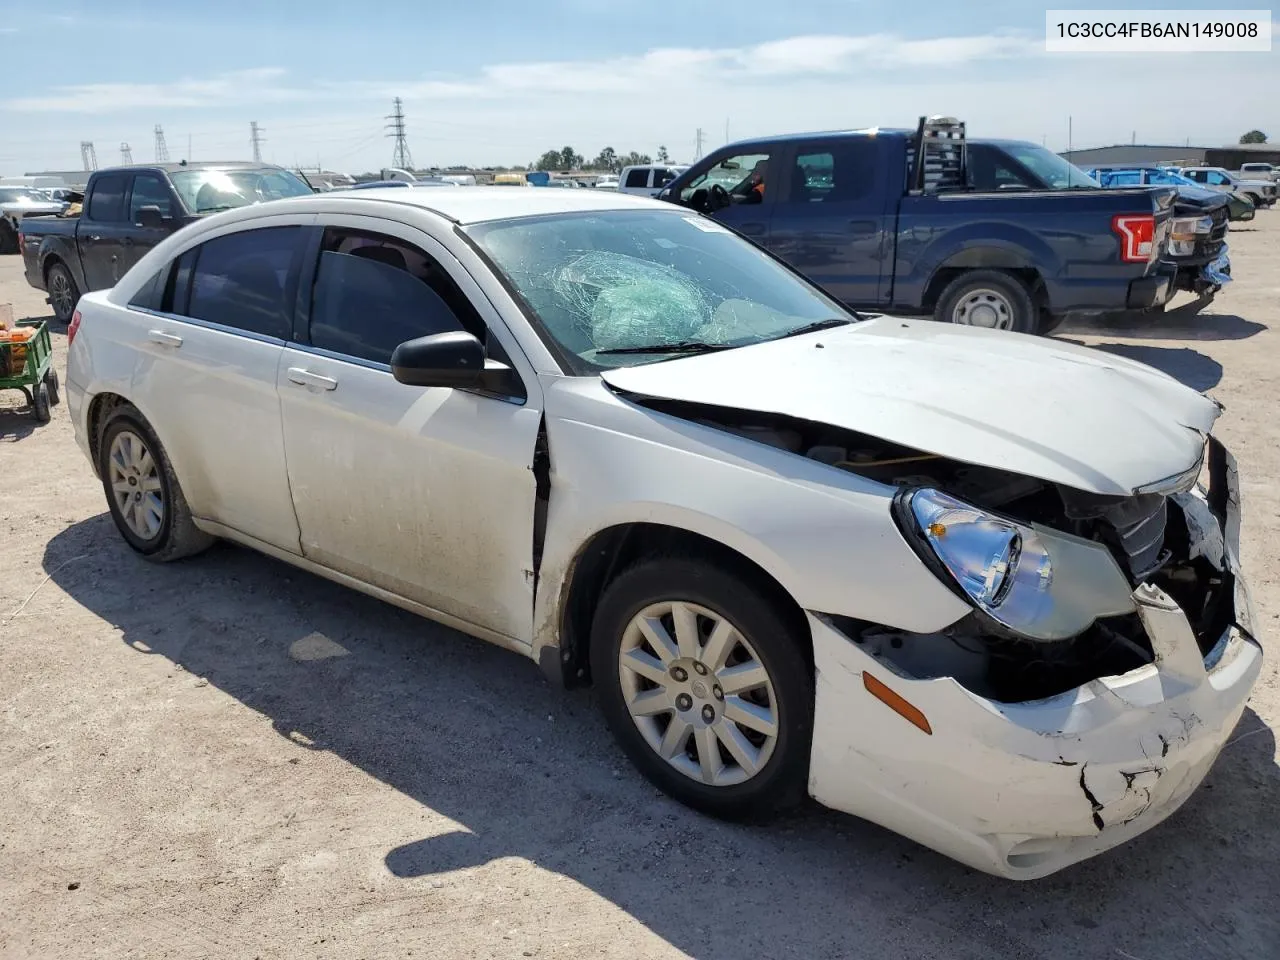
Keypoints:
pixel 63 292
pixel 987 298
pixel 8 237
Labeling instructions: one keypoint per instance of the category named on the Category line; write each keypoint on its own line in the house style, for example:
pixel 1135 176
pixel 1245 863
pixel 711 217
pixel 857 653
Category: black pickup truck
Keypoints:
pixel 928 223
pixel 127 211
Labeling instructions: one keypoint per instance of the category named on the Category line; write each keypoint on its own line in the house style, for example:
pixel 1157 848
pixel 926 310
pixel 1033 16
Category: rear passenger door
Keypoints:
pixel 426 492
pixel 210 332
pixel 833 218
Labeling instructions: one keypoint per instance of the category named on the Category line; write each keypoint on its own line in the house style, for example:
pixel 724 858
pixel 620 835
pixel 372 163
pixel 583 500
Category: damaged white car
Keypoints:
pixel 977 587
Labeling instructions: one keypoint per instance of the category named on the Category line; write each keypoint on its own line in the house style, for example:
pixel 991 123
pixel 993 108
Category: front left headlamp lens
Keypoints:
pixel 1041 584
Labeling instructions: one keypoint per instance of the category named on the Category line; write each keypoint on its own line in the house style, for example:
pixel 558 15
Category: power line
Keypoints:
pixel 256 139
pixel 126 154
pixel 400 157
pixel 162 149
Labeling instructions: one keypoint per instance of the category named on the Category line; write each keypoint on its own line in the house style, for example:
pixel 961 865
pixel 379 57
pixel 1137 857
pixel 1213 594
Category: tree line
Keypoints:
pixel 607 159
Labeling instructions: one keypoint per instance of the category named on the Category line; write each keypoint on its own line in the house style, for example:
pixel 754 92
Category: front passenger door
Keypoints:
pixel 148 191
pixel 426 492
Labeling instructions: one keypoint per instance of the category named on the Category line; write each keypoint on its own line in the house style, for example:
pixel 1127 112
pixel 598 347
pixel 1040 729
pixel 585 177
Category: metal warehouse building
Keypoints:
pixel 1145 153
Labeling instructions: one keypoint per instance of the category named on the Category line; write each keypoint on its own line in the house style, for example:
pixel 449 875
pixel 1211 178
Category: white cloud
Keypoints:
pixel 239 87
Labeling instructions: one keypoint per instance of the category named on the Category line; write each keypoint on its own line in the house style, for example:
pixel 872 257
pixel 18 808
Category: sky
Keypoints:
pixel 501 81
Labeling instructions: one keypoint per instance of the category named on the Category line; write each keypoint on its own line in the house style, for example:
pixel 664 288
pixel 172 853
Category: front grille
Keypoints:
pixel 1139 522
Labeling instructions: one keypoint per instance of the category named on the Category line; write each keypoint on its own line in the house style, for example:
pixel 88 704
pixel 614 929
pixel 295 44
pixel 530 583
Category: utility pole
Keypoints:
pixel 400 156
pixel 162 149
pixel 188 148
pixel 256 139
pixel 88 155
pixel 726 129
pixel 126 155
pixel 697 153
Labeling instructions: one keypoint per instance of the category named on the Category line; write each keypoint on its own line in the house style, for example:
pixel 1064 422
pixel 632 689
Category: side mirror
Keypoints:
pixel 150 216
pixel 451 359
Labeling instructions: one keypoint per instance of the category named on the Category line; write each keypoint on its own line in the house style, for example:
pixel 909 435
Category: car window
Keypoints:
pixel 149 191
pixel 106 203
pixel 1217 179
pixel 630 279
pixel 373 293
pixel 240 280
pixel 638 178
pixel 836 172
pixel 989 169
pixel 742 177
pixel 662 177
pixel 211 190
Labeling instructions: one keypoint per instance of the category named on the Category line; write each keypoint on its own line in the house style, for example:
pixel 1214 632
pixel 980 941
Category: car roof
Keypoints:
pixel 192 165
pixel 467 205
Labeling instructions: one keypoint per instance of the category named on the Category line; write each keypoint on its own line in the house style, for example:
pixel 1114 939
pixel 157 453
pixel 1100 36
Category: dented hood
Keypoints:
pixel 1041 408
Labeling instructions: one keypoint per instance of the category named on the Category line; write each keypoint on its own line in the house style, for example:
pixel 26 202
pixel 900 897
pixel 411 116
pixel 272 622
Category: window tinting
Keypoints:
pixel 106 204
pixel 149 191
pixel 372 293
pixel 151 295
pixel 836 172
pixel 638 178
pixel 240 280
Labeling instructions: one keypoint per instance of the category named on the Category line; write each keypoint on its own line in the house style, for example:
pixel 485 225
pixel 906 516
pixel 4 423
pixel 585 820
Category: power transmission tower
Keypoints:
pixel 126 154
pixel 162 149
pixel 88 155
pixel 257 139
pixel 400 157
pixel 697 152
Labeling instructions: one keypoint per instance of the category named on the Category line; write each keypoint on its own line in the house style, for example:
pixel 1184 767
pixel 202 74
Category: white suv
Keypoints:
pixel 795 550
pixel 648 180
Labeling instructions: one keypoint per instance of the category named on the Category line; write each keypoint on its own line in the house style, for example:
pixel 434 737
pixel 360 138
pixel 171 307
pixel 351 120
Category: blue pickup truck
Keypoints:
pixel 928 223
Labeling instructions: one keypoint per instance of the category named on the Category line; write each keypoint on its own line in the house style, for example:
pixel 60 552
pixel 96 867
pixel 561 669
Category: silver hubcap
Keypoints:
pixel 984 308
pixel 61 292
pixel 135 484
pixel 698 693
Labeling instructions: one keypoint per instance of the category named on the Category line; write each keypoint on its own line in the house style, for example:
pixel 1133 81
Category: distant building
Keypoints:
pixel 1231 157
pixel 75 179
pixel 1138 153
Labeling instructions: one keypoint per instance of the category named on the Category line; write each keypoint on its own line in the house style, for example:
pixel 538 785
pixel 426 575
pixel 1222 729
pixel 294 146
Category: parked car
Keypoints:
pixel 607 183
pixel 380 184
pixel 1262 193
pixel 1258 171
pixel 17 203
pixel 649 179
pixel 131 209
pixel 860 215
pixel 1198 232
pixel 959 582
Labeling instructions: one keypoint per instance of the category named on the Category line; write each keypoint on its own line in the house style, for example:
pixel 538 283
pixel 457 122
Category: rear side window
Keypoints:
pixel 835 172
pixel 662 177
pixel 637 178
pixel 106 203
pixel 241 280
pixel 373 293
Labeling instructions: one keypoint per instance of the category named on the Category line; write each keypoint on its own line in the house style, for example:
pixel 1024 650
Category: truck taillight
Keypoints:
pixel 1137 233
pixel 73 327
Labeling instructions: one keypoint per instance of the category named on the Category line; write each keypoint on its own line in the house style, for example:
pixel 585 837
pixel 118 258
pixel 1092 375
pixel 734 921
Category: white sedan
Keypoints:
pixel 980 588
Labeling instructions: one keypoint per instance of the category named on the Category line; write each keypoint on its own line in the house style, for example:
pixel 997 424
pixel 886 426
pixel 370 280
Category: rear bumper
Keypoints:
pixel 1150 291
pixel 1021 790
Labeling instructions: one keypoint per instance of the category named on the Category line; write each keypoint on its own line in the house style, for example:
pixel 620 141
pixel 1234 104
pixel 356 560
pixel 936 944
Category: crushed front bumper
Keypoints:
pixel 1022 790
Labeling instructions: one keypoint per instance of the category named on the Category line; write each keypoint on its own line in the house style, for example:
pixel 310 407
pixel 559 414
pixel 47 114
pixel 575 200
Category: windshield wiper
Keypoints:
pixel 816 326
pixel 683 346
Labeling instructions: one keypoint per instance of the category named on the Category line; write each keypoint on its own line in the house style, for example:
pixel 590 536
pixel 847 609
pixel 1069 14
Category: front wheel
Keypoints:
pixel 988 298
pixel 143 492
pixel 40 403
pixel 706 684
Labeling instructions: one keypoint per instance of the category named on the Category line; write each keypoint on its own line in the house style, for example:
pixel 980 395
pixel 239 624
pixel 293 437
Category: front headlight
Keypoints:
pixel 1188 228
pixel 1039 583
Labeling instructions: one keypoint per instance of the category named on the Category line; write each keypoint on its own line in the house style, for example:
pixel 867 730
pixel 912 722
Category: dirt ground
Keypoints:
pixel 228 758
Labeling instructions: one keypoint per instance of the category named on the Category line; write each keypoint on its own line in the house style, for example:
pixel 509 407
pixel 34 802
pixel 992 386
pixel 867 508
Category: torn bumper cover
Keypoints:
pixel 1022 790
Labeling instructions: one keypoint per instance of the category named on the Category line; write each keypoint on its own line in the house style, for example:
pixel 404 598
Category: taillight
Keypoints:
pixel 73 327
pixel 1137 233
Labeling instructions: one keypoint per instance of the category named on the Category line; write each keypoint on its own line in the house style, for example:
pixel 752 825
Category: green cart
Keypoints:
pixel 35 375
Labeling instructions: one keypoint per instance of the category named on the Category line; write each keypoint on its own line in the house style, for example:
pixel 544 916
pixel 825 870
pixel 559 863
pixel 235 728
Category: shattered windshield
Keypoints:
pixel 609 287
pixel 208 191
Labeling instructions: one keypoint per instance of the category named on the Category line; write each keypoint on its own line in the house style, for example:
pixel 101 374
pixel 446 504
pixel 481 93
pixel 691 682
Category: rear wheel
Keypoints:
pixel 143 493
pixel 63 292
pixel 987 298
pixel 40 403
pixel 51 382
pixel 706 684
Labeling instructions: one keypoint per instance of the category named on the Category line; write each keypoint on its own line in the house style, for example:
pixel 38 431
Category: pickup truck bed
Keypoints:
pixel 846 210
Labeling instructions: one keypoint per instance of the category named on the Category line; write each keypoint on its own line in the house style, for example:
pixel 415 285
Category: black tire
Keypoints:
pixel 780 646
pixel 52 383
pixel 62 298
pixel 1023 317
pixel 8 238
pixel 40 403
pixel 177 535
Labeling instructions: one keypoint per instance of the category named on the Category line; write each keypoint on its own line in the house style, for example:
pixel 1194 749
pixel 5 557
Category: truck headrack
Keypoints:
pixel 939 159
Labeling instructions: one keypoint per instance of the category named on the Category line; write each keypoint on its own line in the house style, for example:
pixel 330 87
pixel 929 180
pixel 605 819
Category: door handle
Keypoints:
pixel 305 378
pixel 164 339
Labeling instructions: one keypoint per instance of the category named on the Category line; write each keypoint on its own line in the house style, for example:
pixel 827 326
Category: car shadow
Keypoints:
pixel 477 735
pixel 1188 321
pixel 16 422
pixel 1191 367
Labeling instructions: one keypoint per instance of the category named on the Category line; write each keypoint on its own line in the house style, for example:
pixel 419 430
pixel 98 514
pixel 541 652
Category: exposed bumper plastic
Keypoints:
pixel 1023 790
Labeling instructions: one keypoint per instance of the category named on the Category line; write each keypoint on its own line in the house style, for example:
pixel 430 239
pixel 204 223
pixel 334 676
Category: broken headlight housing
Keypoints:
pixel 1185 232
pixel 1038 583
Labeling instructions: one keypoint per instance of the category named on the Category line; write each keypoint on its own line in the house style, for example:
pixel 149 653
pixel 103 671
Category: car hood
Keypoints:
pixel 1066 414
